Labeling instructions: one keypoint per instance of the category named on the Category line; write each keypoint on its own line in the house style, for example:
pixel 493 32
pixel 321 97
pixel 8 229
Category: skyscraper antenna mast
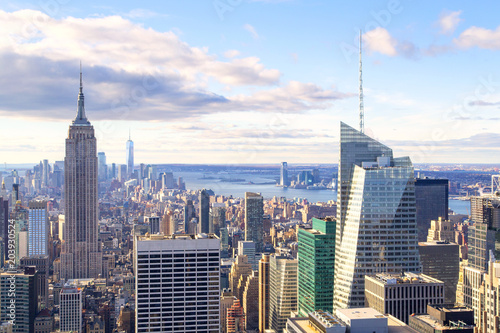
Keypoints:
pixel 361 104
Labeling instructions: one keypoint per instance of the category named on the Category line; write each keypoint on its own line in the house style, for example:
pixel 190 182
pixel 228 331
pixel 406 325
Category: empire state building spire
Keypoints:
pixel 81 119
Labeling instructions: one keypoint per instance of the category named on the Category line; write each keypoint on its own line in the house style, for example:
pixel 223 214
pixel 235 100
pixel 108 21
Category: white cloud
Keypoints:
pixel 251 30
pixel 379 40
pixel 131 73
pixel 449 21
pixel 479 37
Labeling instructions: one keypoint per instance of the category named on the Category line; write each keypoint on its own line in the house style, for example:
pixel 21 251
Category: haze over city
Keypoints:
pixel 250 81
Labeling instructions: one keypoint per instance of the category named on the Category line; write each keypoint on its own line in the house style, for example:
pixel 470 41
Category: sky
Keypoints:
pixel 250 81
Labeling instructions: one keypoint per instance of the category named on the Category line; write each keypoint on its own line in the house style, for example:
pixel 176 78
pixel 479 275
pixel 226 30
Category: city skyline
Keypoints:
pixel 215 80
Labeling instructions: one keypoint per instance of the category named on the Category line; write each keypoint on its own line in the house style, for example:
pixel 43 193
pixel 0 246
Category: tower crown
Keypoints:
pixel 81 119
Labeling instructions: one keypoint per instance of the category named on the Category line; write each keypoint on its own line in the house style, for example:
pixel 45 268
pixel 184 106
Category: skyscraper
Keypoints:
pixel 38 230
pixel 431 197
pixel 254 214
pixel 70 309
pixel 103 168
pixel 204 212
pixel 282 291
pixel 130 156
pixel 80 251
pixel 177 283
pixel 284 174
pixel 376 222
pixel 264 293
pixel 316 257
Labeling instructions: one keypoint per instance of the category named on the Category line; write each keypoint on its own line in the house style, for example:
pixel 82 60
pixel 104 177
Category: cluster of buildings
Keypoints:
pixel 90 248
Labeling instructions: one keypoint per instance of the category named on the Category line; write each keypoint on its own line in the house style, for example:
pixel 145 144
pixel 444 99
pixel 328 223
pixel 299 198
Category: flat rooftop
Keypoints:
pixel 361 313
pixel 176 237
pixel 406 278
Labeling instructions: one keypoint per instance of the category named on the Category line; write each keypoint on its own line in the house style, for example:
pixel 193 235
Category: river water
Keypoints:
pixel 251 182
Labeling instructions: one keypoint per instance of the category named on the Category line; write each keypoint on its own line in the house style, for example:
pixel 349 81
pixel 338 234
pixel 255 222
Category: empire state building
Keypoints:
pixel 81 256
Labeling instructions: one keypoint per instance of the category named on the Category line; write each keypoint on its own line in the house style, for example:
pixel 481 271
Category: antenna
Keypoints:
pixel 81 84
pixel 361 104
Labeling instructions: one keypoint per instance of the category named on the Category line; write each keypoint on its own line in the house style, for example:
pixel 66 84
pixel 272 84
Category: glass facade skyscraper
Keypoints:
pixel 376 218
pixel 38 231
pixel 254 219
pixel 316 257
pixel 130 157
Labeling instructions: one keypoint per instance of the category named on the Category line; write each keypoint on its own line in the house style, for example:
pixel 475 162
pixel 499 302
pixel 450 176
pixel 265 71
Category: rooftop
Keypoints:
pixel 175 237
pixel 404 278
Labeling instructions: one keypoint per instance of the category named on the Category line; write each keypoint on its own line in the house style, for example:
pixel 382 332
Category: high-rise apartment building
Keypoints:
pixel 189 215
pixel 177 283
pixel 217 217
pixel 316 257
pixel 80 251
pixel 4 225
pixel 284 174
pixel 282 291
pixel 204 212
pixel 38 231
pixel 376 216
pixel 431 198
pixel 254 216
pixel 264 292
pixel 130 157
pixel 70 309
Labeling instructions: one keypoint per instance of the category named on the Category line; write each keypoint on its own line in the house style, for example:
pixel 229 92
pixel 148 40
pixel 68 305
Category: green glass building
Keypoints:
pixel 316 266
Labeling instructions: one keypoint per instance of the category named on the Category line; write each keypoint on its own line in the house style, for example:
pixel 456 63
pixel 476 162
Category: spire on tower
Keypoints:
pixel 81 119
pixel 361 104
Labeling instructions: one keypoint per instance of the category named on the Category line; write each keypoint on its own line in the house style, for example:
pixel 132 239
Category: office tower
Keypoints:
pixel 102 167
pixel 224 241
pixel 80 252
pixel 113 170
pixel 25 303
pixel 241 268
pixel 486 209
pixel 284 174
pixel 15 194
pixel 254 213
pixel 41 264
pixel 189 214
pixel 316 256
pixel 235 318
pixel 444 318
pixel 217 217
pixel 70 309
pixel 480 246
pixel 489 308
pixel 441 230
pixel 264 292
pixel 441 261
pixel 167 180
pixel 431 197
pixel 122 172
pixel 154 224
pixel 282 291
pixel 472 284
pixel 45 173
pixel 204 213
pixel 168 225
pixel 177 283
pixel 378 233
pixel 130 157
pixel 38 231
pixel 402 294
pixel 247 248
pixel 251 302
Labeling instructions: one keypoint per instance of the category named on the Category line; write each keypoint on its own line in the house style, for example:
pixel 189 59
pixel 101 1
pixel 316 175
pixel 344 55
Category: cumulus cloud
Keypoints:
pixel 479 37
pixel 448 22
pixel 131 72
pixel 379 40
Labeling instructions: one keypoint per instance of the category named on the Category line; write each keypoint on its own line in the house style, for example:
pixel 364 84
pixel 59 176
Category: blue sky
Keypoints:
pixel 263 81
